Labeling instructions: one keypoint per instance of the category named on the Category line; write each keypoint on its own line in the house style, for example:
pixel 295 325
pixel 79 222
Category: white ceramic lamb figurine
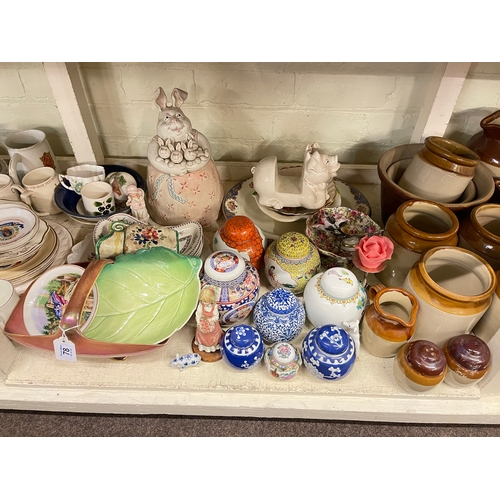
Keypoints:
pixel 310 190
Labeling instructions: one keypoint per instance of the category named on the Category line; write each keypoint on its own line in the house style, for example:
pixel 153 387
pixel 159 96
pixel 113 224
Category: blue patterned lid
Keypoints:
pixel 281 301
pixel 332 339
pixel 242 337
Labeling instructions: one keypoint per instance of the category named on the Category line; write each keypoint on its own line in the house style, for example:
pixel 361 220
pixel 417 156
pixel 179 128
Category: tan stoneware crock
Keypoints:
pixel 454 288
pixel 480 233
pixel 415 227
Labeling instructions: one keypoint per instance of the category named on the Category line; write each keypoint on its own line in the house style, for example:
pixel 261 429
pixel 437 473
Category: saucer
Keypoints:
pixel 239 200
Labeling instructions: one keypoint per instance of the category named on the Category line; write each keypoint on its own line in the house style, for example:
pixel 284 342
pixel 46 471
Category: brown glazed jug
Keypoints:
pixel 486 144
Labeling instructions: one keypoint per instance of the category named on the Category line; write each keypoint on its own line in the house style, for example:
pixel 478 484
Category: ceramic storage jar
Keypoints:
pixel 486 143
pixel 235 282
pixel 416 226
pixel 419 366
pixel 242 347
pixel 291 261
pixel 468 358
pixel 489 324
pixel 480 233
pixel 454 288
pixel 440 171
pixel 282 360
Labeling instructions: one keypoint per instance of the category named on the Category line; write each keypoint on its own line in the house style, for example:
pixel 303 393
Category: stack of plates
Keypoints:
pixel 29 245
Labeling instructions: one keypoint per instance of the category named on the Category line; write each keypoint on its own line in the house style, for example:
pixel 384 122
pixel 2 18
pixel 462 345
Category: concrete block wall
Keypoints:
pixel 251 110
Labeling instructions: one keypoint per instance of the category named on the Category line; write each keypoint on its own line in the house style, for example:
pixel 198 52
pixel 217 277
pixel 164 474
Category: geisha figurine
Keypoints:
pixel 208 330
pixel 183 183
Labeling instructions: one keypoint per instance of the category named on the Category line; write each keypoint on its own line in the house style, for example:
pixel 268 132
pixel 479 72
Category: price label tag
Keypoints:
pixel 64 349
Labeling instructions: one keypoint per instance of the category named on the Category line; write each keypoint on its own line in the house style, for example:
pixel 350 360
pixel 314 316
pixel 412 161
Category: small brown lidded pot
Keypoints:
pixel 419 366
pixel 468 358
pixel 480 233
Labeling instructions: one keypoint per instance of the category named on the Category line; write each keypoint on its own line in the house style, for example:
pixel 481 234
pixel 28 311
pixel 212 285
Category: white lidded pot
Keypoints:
pixel 334 296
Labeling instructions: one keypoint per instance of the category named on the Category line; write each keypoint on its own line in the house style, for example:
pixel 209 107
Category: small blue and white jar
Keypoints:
pixel 242 347
pixel 279 316
pixel 329 352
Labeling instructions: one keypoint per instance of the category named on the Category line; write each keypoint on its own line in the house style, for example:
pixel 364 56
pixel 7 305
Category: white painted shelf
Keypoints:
pixel 146 384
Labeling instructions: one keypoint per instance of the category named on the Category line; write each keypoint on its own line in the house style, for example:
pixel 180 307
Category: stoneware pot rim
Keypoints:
pixel 452 151
pixel 476 211
pixel 424 258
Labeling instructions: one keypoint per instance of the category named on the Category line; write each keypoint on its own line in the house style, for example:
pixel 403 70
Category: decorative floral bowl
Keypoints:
pixel 329 352
pixel 334 231
pixel 282 360
pixel 242 347
pixel 279 316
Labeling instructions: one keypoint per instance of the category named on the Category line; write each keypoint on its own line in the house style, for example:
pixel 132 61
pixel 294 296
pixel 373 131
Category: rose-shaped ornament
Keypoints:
pixel 372 253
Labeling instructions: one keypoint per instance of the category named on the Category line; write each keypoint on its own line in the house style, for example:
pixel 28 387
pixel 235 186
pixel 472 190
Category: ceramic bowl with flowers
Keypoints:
pixel 335 231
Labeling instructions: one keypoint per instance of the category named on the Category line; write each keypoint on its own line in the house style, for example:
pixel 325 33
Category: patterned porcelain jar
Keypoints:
pixel 335 296
pixel 416 226
pixel 279 316
pixel 419 366
pixel 282 360
pixel 468 358
pixel 328 352
pixel 242 347
pixel 480 233
pixel 454 289
pixel 241 234
pixel 291 261
pixel 236 284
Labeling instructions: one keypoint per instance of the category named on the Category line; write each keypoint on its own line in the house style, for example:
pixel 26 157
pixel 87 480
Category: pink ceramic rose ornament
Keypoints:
pixel 372 253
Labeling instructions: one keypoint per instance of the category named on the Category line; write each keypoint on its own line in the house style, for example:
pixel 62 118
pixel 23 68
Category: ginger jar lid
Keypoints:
pixel 339 283
pixel 293 245
pixel 281 301
pixel 332 340
pixel 242 340
pixel 282 354
pixel 468 352
pixel 224 265
pixel 239 229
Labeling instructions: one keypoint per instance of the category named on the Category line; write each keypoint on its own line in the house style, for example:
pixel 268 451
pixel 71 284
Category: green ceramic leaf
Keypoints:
pixel 145 297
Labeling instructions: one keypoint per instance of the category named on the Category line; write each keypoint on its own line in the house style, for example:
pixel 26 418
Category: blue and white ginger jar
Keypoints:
pixel 279 316
pixel 329 352
pixel 242 347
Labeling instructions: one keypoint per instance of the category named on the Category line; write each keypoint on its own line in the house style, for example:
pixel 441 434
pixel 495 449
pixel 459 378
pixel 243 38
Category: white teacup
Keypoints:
pixel 37 190
pixel 76 177
pixel 28 150
pixel 8 300
pixel 6 191
pixel 98 199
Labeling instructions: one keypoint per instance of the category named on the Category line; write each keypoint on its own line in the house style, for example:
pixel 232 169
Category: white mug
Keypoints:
pixel 98 199
pixel 38 190
pixel 6 191
pixel 8 300
pixel 28 149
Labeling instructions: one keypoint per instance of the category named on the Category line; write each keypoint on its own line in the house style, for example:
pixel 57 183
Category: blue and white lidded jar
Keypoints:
pixel 282 360
pixel 236 284
pixel 279 316
pixel 329 352
pixel 242 347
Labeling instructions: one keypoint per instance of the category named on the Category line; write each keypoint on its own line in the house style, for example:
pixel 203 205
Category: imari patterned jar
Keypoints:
pixel 328 352
pixel 279 316
pixel 282 360
pixel 291 261
pixel 235 282
pixel 242 347
pixel 335 296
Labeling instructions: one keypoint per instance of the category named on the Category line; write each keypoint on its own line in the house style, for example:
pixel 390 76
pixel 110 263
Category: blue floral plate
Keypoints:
pixel 70 202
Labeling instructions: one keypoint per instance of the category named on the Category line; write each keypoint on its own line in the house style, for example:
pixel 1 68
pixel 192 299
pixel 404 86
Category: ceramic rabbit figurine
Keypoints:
pixel 183 182
pixel 309 191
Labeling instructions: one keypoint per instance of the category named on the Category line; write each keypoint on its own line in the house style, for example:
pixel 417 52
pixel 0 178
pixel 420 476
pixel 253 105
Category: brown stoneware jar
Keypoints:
pixel 480 233
pixel 419 366
pixel 415 227
pixel 468 359
pixel 486 144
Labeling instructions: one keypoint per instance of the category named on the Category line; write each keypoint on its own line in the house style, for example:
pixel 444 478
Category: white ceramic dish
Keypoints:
pixel 46 299
pixel 239 200
pixel 17 225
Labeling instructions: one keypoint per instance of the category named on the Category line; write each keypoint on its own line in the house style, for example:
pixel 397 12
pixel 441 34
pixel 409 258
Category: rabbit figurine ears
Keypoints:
pixel 178 97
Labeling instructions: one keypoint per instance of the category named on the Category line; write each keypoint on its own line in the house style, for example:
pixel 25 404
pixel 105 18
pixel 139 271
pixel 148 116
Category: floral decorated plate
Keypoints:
pixel 17 225
pixel 46 299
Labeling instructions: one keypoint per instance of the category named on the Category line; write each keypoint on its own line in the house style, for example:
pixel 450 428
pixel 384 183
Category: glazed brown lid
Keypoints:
pixel 426 358
pixel 469 352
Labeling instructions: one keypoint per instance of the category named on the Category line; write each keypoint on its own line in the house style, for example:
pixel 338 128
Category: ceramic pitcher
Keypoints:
pixel 487 142
pixel 389 321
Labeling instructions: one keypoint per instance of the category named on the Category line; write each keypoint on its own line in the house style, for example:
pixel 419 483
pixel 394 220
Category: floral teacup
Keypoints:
pixel 76 177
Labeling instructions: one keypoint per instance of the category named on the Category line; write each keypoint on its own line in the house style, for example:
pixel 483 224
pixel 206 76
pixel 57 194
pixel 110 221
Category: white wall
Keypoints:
pixel 251 110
